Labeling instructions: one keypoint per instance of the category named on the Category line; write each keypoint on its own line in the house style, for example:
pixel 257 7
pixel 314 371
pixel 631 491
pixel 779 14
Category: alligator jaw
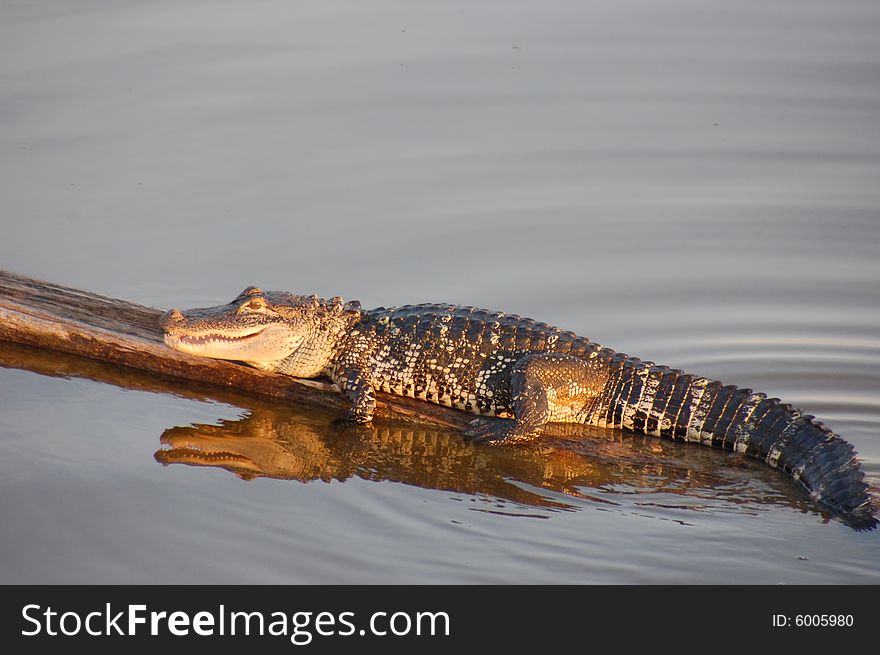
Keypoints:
pixel 262 348
pixel 206 344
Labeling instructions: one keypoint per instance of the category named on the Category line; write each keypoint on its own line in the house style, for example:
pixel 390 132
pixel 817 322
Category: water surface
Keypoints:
pixel 690 182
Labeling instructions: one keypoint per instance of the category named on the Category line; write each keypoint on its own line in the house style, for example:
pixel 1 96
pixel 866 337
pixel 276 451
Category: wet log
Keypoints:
pixel 62 319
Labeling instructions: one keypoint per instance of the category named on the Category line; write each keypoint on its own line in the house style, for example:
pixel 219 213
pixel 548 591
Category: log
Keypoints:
pixel 58 318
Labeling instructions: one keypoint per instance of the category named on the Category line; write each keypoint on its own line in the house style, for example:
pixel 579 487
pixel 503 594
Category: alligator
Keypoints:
pixel 517 375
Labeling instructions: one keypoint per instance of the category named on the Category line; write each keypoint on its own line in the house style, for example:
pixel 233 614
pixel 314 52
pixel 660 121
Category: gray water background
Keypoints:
pixel 692 182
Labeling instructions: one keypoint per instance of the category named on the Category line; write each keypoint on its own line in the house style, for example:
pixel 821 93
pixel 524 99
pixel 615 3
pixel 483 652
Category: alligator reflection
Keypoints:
pixel 586 463
pixel 565 467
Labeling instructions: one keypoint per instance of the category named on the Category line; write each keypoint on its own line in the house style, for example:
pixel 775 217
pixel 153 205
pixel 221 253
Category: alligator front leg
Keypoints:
pixel 355 384
pixel 544 388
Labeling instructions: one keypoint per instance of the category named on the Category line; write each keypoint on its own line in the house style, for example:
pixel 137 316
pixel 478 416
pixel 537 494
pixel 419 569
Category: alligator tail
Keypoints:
pixel 659 401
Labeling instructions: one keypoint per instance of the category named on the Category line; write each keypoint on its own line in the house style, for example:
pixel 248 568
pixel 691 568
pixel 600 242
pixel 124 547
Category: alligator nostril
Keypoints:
pixel 171 316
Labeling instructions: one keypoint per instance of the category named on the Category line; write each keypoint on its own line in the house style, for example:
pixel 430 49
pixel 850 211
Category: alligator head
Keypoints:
pixel 271 330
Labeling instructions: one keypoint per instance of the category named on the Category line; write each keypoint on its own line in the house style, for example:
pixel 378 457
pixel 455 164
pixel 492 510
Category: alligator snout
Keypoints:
pixel 169 318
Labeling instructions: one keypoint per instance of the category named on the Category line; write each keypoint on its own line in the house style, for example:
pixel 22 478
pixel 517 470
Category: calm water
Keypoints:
pixel 691 182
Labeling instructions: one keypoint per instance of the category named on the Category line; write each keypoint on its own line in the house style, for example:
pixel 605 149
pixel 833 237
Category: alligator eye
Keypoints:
pixel 255 304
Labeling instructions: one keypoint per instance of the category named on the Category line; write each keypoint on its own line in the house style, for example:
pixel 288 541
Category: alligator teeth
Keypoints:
pixel 211 339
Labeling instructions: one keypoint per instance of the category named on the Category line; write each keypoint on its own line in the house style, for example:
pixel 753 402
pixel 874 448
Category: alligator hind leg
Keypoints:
pixel 544 388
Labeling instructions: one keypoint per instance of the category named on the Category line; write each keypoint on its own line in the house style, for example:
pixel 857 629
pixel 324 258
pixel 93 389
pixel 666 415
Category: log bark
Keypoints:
pixel 58 318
